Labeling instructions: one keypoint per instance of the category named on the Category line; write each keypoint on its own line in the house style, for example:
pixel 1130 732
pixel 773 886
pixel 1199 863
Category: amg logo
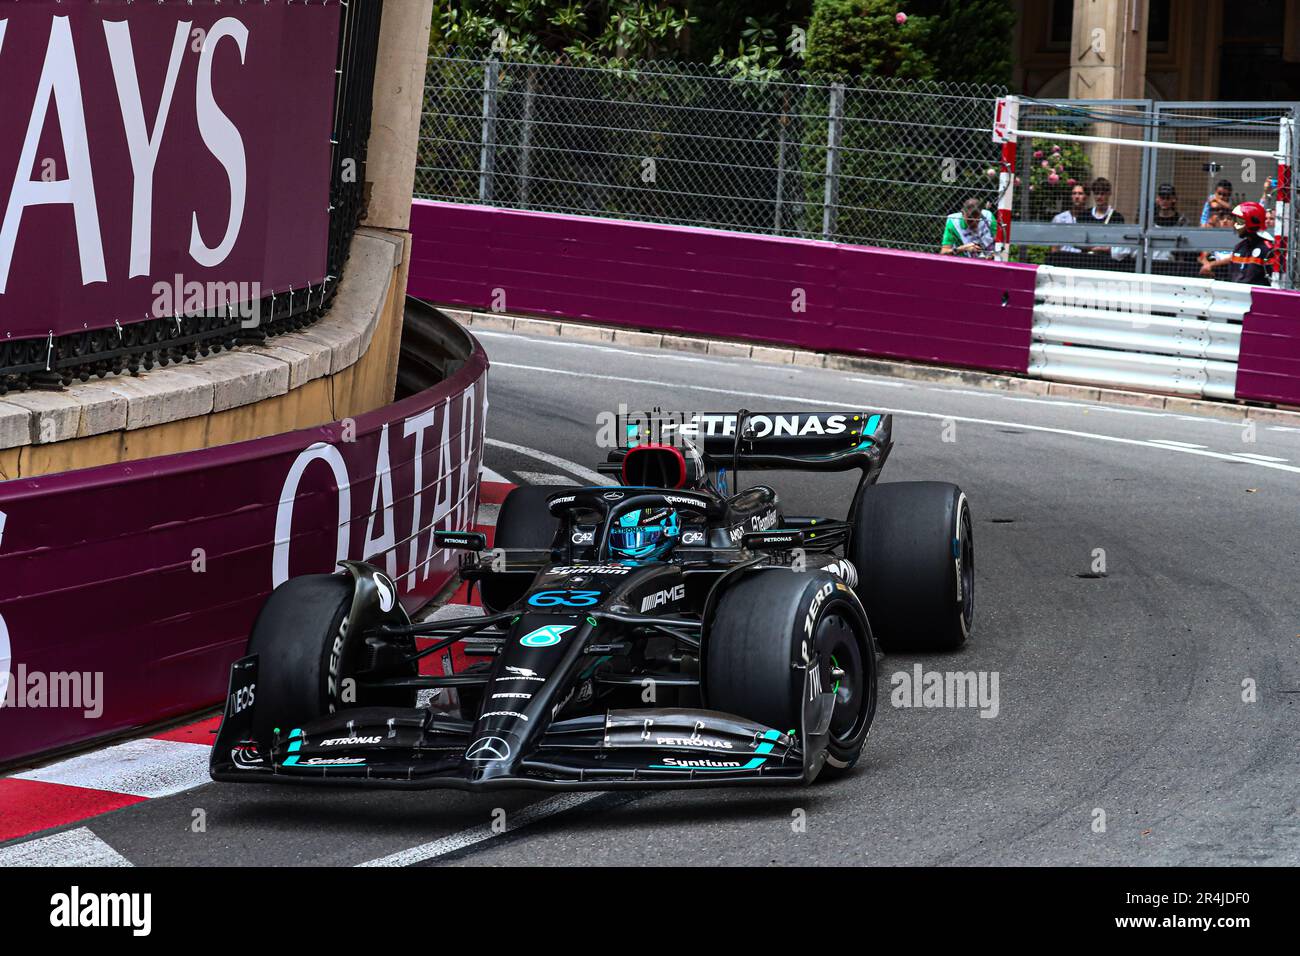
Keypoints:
pixel 693 742
pixel 350 741
pixel 700 763
pixel 674 593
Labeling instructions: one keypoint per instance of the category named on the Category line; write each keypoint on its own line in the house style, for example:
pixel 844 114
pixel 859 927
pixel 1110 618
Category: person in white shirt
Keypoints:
pixel 1078 206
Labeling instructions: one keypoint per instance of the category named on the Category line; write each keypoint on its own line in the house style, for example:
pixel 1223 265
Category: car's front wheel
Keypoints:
pixel 758 643
pixel 308 653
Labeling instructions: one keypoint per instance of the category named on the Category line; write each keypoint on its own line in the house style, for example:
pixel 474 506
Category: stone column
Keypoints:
pixel 394 140
pixel 1108 60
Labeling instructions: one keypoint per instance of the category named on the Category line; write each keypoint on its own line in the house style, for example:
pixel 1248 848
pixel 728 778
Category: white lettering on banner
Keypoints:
pixel 442 501
pixel 386 544
pixel 60 81
pixel 417 426
pixel 143 144
pixel 6 650
pixel 327 453
pixel 383 498
pixel 222 138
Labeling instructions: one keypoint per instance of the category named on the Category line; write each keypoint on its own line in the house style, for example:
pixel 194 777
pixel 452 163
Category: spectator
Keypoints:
pixel 1166 216
pixel 969 233
pixel 1219 201
pixel 1106 214
pixel 1078 207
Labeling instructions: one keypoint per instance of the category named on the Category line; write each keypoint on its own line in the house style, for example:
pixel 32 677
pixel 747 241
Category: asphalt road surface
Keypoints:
pixel 1136 599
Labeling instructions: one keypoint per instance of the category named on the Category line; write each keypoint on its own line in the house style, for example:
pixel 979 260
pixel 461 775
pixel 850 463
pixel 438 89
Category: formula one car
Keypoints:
pixel 667 631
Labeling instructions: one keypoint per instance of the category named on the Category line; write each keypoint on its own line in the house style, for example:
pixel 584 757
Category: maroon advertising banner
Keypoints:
pixel 151 148
pixel 127 591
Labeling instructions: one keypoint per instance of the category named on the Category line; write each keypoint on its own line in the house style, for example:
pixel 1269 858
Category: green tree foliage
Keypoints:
pixel 864 38
pixel 969 41
pixel 957 41
pixel 582 31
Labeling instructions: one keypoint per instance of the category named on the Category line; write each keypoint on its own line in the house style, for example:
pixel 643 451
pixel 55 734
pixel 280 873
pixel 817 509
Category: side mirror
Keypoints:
pixel 461 540
pixel 772 540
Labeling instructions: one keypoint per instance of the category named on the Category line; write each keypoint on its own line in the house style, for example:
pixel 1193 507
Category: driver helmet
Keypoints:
pixel 645 533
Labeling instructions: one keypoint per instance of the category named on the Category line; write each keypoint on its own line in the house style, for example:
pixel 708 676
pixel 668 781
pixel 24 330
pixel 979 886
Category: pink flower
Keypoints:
pixel 1056 149
pixel 1053 178
pixel 1038 154
pixel 1072 182
pixel 1017 180
pixel 990 172
pixel 1045 164
pixel 900 18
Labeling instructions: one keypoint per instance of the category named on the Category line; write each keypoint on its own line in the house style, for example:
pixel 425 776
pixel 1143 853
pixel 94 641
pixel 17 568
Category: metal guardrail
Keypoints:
pixel 1155 333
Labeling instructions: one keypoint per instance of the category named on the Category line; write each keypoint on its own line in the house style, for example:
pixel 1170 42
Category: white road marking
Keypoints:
pixel 883 383
pixel 1139 442
pixel 514 820
pixel 1176 444
pixel 487 515
pixel 544 478
pixel 79 847
pixel 147 767
pixel 1246 454
pixel 449 612
pixel 922 386
pixel 586 474
pixel 667 354
pixel 487 474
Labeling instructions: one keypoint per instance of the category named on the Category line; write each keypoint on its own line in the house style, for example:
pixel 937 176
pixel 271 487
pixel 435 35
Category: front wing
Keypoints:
pixel 418 749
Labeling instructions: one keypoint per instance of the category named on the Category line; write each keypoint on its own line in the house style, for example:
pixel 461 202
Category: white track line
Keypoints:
pixel 1176 444
pixel 514 820
pixel 586 474
pixel 630 353
pixel 1246 454
pixel 79 847
pixel 147 767
pixel 1115 439
pixel 544 478
pixel 449 612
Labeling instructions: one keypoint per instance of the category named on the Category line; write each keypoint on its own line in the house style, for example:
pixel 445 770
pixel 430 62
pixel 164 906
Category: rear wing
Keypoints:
pixel 798 441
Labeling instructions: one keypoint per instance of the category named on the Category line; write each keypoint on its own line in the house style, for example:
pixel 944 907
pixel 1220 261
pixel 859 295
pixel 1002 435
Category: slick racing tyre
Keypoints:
pixel 756 640
pixel 912 545
pixel 306 652
pixel 523 522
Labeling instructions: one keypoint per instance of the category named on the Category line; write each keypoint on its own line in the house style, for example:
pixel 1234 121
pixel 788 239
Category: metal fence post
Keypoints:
pixel 781 123
pixel 526 137
pixel 835 119
pixel 487 157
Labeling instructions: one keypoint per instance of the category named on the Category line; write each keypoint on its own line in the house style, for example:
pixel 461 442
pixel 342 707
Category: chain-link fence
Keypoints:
pixel 1135 208
pixel 874 161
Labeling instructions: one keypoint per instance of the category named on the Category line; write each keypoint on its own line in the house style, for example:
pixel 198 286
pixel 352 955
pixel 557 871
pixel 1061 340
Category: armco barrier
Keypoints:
pixel 804 293
pixel 1268 369
pixel 1157 333
pixel 146 576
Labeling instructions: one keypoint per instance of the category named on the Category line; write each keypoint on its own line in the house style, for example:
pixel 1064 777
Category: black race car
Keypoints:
pixel 665 631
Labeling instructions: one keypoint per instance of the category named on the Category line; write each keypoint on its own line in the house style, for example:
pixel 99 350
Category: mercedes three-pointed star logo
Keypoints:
pixel 488 748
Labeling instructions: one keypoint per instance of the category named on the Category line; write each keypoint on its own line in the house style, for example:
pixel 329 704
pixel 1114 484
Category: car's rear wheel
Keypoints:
pixel 913 547
pixel 755 652
pixel 308 654
pixel 523 522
